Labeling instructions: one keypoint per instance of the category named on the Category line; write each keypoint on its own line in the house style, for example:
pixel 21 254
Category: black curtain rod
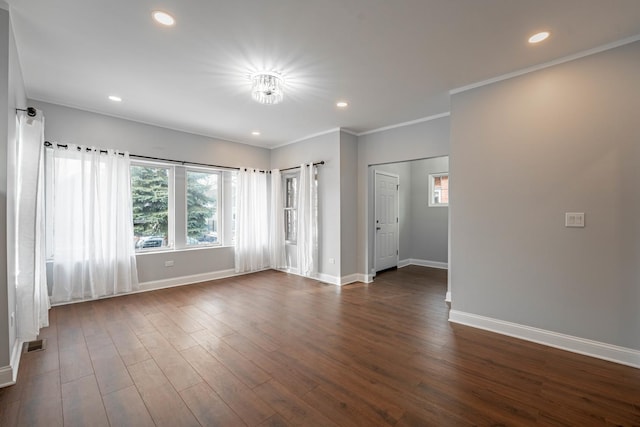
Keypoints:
pixel 183 163
pixel 31 112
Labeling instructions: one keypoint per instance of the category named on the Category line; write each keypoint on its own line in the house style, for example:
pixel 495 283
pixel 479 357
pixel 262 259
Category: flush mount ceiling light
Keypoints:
pixel 267 88
pixel 163 18
pixel 538 37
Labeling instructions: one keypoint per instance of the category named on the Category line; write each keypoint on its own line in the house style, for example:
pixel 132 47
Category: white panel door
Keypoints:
pixel 386 220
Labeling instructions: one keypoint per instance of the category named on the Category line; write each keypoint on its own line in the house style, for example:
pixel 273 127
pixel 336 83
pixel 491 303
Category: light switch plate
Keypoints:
pixel 574 219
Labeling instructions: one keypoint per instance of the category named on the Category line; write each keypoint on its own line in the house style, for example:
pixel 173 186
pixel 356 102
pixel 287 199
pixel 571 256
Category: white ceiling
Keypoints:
pixel 393 60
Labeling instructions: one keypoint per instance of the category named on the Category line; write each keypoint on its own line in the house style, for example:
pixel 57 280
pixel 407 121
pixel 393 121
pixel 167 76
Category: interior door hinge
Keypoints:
pixel 397 253
pixel 397 219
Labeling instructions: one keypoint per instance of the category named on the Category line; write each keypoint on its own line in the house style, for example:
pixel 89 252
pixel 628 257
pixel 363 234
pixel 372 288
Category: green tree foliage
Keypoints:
pixel 150 196
pixel 201 202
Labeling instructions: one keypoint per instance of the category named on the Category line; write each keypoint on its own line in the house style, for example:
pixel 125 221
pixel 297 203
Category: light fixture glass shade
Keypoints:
pixel 267 88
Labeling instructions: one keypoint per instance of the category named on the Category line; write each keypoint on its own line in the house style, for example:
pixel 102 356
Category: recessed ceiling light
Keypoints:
pixel 255 133
pixel 115 98
pixel 537 38
pixel 342 104
pixel 163 18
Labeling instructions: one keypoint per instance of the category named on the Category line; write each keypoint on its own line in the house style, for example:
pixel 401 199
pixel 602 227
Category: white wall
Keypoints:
pixel 523 152
pixel 69 125
pixel 324 147
pixel 417 141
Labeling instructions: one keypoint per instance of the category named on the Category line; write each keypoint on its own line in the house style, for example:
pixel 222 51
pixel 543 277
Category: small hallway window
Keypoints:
pixel 439 189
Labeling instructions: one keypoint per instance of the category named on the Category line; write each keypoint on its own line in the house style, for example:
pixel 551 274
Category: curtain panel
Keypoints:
pixel 92 224
pixel 307 243
pixel 32 298
pixel 252 233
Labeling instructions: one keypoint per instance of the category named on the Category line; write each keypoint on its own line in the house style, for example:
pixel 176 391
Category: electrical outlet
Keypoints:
pixel 574 219
pixel 332 260
pixel 168 263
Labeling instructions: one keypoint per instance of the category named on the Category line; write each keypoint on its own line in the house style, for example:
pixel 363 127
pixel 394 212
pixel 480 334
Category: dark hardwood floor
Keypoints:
pixel 271 349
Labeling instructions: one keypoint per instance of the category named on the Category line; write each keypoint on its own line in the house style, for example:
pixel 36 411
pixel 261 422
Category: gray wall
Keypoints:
pixel 523 152
pixel 324 147
pixel 69 125
pixel 429 225
pixel 348 204
pixel 12 92
pixel 418 141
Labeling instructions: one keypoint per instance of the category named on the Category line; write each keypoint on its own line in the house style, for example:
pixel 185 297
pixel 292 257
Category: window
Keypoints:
pixel 290 207
pixel 202 208
pixel 150 193
pixel 439 189
pixel 178 207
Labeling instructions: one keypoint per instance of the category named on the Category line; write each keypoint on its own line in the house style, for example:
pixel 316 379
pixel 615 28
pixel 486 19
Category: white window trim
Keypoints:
pixel 432 177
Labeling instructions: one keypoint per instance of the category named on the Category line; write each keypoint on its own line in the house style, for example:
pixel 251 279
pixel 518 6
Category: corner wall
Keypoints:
pixel 12 91
pixel 523 152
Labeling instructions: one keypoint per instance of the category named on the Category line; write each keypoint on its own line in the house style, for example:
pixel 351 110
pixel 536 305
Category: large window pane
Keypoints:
pixel 150 196
pixel 202 208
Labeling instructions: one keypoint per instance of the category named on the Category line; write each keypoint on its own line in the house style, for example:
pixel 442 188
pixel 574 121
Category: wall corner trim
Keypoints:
pixel 600 350
pixel 9 374
pixel 542 66
pixel 365 278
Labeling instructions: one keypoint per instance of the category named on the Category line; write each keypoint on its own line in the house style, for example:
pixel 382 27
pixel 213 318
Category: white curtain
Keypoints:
pixel 92 224
pixel 32 300
pixel 307 241
pixel 276 229
pixel 252 234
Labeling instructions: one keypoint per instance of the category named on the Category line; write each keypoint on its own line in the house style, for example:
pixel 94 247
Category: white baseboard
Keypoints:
pixel 9 374
pixel 423 263
pixel 188 280
pixel 447 297
pixel 351 278
pixel 612 353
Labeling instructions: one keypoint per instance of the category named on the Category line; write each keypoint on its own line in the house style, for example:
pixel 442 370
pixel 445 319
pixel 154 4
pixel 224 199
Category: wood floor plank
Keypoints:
pixel 234 392
pixel 41 401
pixel 177 370
pixel 74 363
pixel 82 403
pixel 290 406
pixel 243 368
pixel 164 404
pixel 209 408
pixel 110 371
pixel 126 408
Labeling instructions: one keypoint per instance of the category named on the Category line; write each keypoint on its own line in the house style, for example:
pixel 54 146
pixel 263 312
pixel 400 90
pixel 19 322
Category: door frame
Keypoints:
pixel 377 172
